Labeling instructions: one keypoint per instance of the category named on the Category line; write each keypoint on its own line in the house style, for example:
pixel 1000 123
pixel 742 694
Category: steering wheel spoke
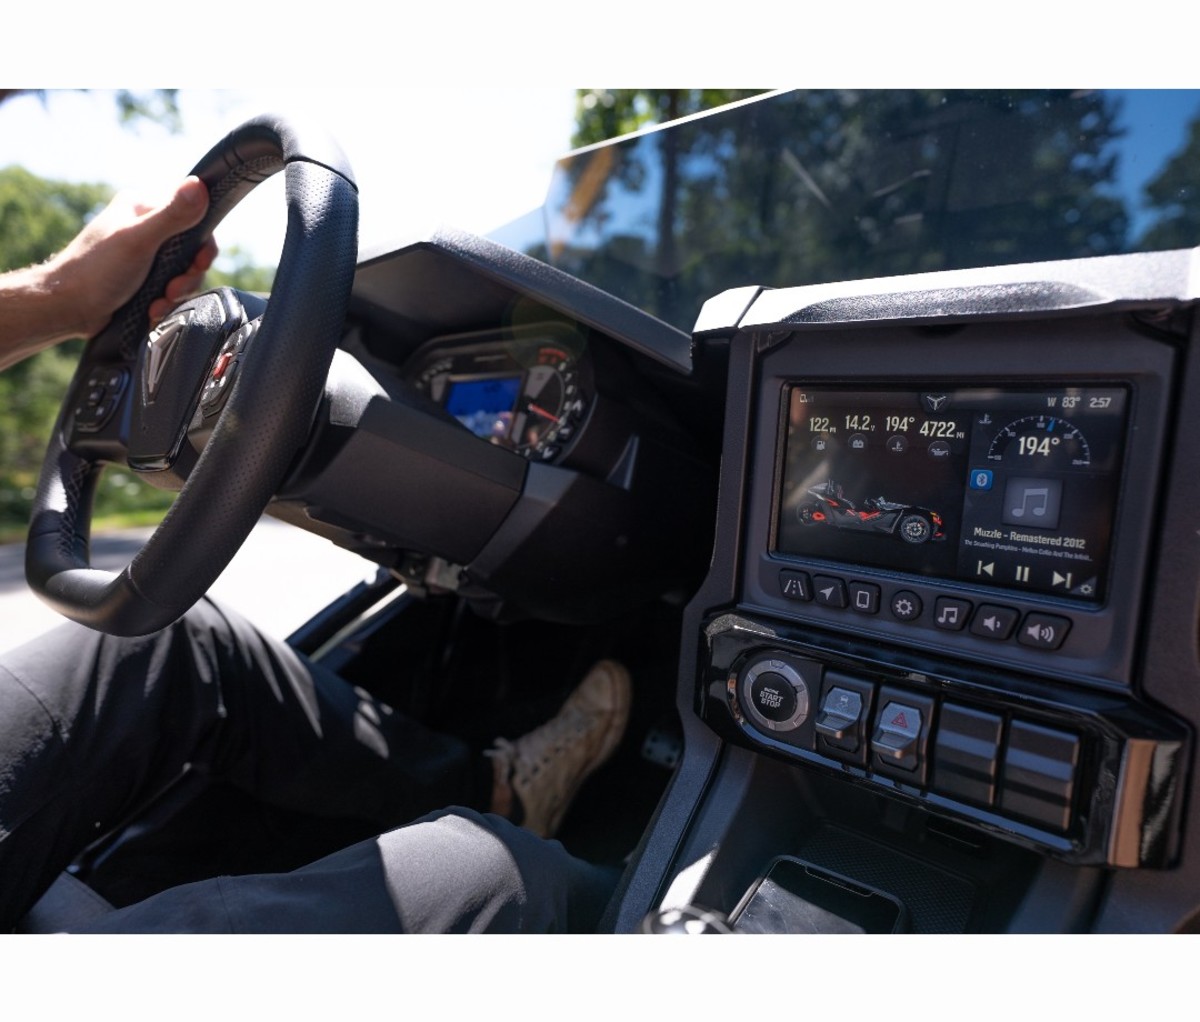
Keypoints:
pixel 99 403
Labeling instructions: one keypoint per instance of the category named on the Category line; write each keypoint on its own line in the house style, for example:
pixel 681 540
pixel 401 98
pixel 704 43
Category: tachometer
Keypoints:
pixel 549 404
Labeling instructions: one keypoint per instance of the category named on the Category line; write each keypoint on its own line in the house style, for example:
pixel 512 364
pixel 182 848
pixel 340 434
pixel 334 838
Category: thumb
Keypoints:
pixel 185 208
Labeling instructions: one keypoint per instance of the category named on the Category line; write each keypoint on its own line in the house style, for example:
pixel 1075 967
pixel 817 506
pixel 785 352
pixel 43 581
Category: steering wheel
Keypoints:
pixel 213 378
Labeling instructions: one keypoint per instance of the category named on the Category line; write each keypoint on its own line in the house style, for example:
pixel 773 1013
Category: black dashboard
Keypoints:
pixel 946 597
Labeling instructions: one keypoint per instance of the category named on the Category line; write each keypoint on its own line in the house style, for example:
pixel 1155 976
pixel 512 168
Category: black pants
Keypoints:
pixel 93 727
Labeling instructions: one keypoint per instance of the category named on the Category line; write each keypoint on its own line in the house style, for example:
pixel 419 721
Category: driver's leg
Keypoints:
pixel 93 727
pixel 456 871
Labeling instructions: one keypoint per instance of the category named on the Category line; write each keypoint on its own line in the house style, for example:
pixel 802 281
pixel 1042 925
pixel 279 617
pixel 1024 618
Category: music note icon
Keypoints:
pixel 950 613
pixel 1041 493
pixel 1030 501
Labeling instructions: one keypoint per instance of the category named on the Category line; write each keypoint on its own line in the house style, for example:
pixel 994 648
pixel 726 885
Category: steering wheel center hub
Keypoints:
pixel 172 367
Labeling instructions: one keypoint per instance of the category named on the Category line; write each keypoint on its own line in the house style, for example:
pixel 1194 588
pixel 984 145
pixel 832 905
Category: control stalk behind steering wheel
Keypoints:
pixel 211 370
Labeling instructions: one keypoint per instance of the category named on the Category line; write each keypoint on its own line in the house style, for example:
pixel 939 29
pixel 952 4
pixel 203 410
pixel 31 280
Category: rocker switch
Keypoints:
pixel 841 722
pixel 897 735
pixel 840 713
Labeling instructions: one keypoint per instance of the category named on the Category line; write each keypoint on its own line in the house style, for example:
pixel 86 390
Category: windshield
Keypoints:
pixel 809 187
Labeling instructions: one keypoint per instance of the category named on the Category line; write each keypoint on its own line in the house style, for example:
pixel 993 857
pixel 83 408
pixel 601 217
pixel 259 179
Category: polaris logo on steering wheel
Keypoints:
pixel 159 345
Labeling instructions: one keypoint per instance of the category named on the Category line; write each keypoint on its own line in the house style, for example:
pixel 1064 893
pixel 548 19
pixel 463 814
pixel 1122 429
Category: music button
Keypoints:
pixel 951 614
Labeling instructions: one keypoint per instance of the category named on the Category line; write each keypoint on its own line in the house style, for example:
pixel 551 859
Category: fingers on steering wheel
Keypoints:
pixel 186 283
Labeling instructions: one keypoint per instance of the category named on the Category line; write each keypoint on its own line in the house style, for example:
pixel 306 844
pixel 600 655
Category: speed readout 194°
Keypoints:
pixel 1041 442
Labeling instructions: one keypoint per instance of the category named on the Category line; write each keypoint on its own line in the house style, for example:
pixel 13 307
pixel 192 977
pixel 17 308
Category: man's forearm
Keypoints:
pixel 33 314
pixel 76 293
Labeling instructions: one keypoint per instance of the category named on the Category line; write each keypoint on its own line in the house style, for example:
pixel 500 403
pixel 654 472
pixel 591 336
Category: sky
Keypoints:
pixel 469 157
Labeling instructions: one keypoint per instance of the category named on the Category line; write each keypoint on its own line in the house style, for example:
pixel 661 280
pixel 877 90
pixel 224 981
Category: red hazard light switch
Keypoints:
pixel 896 736
pixel 900 736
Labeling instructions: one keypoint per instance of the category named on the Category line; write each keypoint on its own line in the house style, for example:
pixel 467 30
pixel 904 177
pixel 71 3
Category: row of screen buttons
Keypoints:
pixel 988 620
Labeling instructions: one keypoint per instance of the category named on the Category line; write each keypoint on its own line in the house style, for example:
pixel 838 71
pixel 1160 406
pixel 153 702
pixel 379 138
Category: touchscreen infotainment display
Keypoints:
pixel 1007 487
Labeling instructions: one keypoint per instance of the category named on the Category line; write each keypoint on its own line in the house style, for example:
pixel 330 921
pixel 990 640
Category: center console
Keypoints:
pixel 925 621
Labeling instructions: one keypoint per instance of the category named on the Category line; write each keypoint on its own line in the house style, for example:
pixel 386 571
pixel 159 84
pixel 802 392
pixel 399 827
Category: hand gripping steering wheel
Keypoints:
pixel 147 401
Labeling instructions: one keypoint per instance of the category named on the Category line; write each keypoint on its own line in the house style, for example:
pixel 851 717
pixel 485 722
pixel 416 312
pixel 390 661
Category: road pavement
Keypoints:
pixel 279 579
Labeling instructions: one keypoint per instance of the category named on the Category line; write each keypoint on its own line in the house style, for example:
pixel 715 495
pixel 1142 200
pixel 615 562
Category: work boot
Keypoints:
pixel 538 775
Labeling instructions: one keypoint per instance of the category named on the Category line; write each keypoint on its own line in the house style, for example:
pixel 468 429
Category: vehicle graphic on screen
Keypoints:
pixel 830 506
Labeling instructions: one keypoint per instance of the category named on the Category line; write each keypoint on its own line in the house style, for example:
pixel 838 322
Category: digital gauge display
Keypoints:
pixel 521 391
pixel 1005 487
pixel 484 406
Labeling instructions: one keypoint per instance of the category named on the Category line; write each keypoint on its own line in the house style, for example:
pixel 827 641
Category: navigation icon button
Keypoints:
pixel 829 591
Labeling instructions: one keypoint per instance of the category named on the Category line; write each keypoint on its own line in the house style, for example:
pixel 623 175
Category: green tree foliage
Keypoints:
pixel 37 218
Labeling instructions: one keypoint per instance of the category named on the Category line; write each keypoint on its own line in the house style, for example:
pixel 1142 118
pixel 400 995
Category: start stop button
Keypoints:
pixel 774 695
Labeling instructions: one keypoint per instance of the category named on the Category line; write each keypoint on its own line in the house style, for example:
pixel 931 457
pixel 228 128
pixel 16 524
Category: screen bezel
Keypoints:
pixel 1102 643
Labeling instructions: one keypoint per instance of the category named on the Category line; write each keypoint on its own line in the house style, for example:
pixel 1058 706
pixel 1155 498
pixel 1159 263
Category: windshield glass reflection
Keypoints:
pixel 810 187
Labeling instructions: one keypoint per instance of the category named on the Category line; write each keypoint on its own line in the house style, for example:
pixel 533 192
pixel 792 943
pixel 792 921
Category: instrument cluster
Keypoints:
pixel 526 390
